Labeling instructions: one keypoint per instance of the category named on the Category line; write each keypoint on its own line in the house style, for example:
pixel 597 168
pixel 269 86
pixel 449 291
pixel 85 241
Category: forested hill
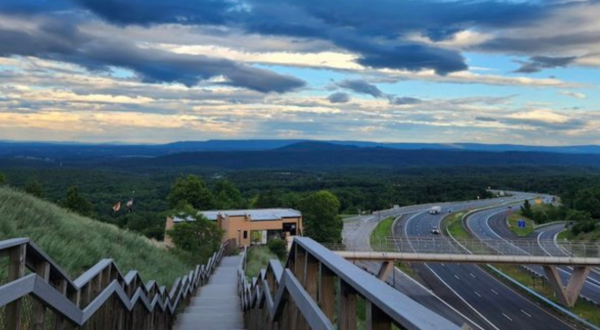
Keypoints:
pixel 57 152
pixel 323 155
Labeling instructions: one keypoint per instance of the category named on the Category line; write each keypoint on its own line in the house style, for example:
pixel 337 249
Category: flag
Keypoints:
pixel 117 206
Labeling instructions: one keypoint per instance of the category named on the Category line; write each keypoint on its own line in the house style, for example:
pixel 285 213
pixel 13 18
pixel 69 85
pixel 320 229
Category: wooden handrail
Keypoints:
pixel 88 300
pixel 303 295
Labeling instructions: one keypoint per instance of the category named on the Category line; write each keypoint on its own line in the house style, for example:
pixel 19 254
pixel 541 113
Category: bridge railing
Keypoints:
pixel 35 293
pixel 444 245
pixel 318 289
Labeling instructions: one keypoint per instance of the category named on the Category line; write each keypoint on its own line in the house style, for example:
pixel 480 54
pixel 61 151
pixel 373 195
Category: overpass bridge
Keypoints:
pixel 582 256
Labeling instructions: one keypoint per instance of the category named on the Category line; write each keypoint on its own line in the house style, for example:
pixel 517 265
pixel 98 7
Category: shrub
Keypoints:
pixel 278 247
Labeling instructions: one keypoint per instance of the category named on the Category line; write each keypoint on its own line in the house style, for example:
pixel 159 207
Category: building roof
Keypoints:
pixel 254 214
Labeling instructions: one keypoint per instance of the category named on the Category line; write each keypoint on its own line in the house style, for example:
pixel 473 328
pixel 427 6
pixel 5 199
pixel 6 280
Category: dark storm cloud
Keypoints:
pixel 361 86
pixel 405 56
pixel 338 97
pixel 373 29
pixel 539 63
pixel 405 100
pixel 147 12
pixel 63 42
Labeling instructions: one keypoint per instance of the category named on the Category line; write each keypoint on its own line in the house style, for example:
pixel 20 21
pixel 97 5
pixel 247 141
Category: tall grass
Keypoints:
pixel 381 234
pixel 76 243
pixel 258 258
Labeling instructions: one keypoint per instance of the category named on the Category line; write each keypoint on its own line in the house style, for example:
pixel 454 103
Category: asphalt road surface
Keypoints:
pixel 492 300
pixel 491 224
pixel 476 297
pixel 357 232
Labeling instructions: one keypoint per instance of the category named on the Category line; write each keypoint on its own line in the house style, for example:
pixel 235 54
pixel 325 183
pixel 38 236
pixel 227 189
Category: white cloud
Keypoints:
pixel 574 94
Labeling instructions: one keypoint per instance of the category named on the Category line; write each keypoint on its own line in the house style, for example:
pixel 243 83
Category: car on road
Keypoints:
pixel 435 230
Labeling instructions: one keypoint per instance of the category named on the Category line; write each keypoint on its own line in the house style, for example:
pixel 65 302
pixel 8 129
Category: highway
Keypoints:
pixel 491 224
pixel 481 300
pixel 497 304
pixel 357 232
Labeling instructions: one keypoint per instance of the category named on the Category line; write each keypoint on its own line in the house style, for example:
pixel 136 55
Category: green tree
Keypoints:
pixel 190 190
pixel 227 196
pixel 526 209
pixel 200 236
pixel 578 216
pixel 267 200
pixel 76 203
pixel 320 216
pixel 278 247
pixel 34 188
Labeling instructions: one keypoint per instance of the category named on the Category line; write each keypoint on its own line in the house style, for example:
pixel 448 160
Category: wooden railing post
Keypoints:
pixel 16 270
pixel 376 319
pixel 42 269
pixel 311 272
pixel 326 297
pixel 61 287
pixel 347 314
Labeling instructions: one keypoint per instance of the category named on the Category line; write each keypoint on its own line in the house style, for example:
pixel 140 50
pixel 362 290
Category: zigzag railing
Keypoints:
pixel 40 295
pixel 318 289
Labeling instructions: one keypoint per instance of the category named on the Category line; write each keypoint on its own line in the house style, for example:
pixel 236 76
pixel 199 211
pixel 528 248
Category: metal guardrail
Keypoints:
pixel 40 295
pixel 318 289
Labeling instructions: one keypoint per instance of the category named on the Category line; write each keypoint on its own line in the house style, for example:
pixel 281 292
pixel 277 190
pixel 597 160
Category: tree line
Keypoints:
pixel 357 190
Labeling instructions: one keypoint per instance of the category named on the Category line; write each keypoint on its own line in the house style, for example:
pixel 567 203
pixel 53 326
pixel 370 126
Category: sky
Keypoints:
pixel 443 71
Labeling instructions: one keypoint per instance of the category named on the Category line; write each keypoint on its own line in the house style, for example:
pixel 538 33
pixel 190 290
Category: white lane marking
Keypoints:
pixel 494 291
pixel 589 281
pixel 457 277
pixel 477 293
pixel 461 298
pixel 443 265
pixel 446 284
pixel 473 276
pixel 524 312
pixel 507 317
pixel 518 294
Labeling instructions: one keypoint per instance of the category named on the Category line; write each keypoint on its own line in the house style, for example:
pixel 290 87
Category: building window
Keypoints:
pixel 245 234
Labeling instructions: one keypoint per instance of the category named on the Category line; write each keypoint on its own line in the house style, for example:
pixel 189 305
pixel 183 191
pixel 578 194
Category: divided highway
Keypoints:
pixel 461 293
pixel 491 224
pixel 500 306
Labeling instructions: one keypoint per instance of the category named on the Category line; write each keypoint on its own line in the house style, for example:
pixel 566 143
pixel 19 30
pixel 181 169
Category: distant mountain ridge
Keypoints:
pixel 65 151
pixel 332 156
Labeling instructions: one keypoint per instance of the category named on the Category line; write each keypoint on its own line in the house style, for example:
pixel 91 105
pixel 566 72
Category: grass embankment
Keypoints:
pixel 564 235
pixel 591 236
pixel 379 242
pixel 258 258
pixel 513 222
pixel 582 308
pixel 381 234
pixel 77 243
pixel 455 226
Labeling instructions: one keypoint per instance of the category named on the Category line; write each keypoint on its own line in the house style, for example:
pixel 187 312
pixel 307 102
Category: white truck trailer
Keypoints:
pixel 435 210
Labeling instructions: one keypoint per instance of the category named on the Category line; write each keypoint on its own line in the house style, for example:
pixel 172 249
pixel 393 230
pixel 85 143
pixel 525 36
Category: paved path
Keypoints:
pixel 217 306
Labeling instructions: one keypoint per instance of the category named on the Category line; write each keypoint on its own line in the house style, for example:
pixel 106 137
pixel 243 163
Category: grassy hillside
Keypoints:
pixel 76 243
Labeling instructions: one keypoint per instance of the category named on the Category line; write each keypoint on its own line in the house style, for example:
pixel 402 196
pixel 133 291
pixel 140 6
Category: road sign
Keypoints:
pixel 521 223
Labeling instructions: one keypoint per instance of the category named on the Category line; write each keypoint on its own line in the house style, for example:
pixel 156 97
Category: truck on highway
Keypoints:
pixel 435 210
